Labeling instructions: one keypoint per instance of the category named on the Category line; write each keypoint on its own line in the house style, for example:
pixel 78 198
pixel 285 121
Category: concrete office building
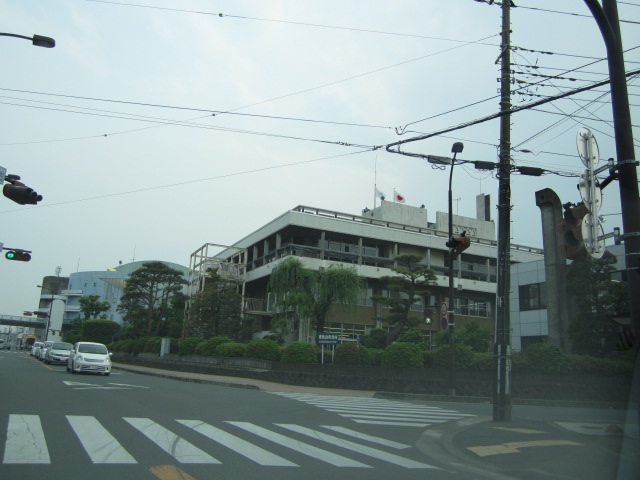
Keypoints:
pixel 369 242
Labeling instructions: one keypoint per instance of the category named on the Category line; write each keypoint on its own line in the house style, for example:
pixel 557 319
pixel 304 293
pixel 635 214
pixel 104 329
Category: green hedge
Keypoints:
pixel 299 352
pixel 402 355
pixel 263 350
pixel 188 345
pixel 231 349
pixel 350 354
pixel 209 348
pixel 99 330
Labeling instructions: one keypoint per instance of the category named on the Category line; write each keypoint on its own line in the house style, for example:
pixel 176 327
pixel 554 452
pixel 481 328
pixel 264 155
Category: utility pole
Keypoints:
pixel 502 349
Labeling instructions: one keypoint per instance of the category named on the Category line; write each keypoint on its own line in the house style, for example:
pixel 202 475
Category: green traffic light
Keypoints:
pixel 10 255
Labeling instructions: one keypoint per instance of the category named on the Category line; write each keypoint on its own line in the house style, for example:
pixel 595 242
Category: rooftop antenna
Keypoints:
pixel 58 271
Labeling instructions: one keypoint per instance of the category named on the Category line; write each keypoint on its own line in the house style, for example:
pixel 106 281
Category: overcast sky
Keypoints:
pixel 115 126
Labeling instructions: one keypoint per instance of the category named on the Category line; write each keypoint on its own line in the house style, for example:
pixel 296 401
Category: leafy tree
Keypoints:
pixel 216 310
pixel 304 293
pixel 147 297
pixel 99 330
pixel 91 307
pixel 475 337
pixel 412 281
pixel 598 300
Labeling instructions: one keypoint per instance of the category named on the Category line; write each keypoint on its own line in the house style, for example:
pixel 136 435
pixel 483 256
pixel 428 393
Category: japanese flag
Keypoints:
pixel 398 197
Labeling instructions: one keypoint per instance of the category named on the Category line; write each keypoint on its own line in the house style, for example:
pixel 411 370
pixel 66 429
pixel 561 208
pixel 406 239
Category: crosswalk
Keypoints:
pixel 375 411
pixel 26 443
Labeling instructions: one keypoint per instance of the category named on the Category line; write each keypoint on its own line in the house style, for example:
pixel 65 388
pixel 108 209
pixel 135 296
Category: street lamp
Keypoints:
pixel 37 40
pixel 455 149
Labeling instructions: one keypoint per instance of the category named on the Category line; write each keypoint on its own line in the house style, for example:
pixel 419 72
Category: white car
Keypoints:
pixel 41 353
pixel 34 349
pixel 89 357
pixel 57 353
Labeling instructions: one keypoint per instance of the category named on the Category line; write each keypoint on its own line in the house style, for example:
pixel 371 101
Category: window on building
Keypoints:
pixel 533 297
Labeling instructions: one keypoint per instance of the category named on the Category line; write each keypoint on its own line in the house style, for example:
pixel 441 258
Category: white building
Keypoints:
pixel 370 242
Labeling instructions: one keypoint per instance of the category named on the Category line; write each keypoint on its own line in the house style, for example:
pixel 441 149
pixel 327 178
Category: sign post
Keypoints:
pixel 323 339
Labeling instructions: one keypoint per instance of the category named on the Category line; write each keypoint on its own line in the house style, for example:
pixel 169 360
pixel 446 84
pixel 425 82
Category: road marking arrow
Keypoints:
pixel 514 447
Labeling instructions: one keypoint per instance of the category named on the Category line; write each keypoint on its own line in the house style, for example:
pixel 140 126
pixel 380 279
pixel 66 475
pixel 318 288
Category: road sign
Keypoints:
pixel 588 148
pixel 327 339
pixel 591 231
pixel 444 322
pixel 443 309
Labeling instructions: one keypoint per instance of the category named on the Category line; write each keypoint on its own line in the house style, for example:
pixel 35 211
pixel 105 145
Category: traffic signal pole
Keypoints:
pixel 502 348
pixel 606 17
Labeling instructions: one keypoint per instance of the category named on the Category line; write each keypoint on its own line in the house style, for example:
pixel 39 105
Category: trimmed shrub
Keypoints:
pixel 263 350
pixel 546 358
pixel 402 355
pixel 188 345
pixel 231 349
pixel 429 357
pixel 464 357
pixel 153 345
pixel 411 336
pixel 374 356
pixel 482 361
pixel 299 352
pixel 209 348
pixel 349 354
pixel 377 338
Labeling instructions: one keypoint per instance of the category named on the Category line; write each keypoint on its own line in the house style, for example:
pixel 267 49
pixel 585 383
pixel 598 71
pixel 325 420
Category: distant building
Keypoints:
pixel 528 299
pixel 370 242
pixel 67 291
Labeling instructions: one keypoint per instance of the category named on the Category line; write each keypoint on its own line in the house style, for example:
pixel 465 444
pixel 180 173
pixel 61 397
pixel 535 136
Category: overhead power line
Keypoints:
pixel 289 22
pixel 189 182
pixel 497 115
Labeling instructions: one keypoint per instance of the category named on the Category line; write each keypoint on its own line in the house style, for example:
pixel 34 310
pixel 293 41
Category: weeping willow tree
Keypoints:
pixel 304 294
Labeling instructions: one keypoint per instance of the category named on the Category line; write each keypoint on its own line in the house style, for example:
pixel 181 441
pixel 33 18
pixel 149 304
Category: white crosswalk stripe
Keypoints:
pixel 179 448
pixel 99 444
pixel 26 442
pixel 375 411
pixel 238 445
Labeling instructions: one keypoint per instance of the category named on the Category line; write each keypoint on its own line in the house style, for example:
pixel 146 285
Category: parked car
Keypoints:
pixel 35 348
pixel 57 353
pixel 89 357
pixel 43 350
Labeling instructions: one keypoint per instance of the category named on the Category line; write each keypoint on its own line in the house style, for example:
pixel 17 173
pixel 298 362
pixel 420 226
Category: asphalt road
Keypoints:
pixel 61 426
pixel 56 425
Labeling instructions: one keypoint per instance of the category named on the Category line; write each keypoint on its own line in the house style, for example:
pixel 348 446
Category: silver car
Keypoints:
pixel 58 352
pixel 89 357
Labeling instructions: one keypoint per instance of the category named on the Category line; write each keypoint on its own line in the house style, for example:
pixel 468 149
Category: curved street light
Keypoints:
pixel 455 149
pixel 37 40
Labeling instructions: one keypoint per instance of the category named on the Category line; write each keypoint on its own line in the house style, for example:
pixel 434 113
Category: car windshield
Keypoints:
pixel 92 349
pixel 61 346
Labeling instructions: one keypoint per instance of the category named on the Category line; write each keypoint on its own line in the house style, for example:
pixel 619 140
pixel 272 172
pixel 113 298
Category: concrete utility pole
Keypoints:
pixel 502 349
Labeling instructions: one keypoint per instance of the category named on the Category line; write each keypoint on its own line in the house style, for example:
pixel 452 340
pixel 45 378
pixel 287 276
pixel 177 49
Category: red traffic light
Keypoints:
pixel 18 255
pixel 459 244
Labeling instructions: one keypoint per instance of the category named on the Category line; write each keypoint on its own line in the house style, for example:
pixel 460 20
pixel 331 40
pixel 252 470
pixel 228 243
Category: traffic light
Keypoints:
pixel 571 231
pixel 459 244
pixel 20 193
pixel 18 255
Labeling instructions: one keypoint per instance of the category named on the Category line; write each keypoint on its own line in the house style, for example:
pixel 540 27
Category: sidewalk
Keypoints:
pixel 536 450
pixel 239 382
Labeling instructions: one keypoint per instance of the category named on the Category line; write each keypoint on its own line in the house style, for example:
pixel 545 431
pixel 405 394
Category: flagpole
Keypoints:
pixel 375 182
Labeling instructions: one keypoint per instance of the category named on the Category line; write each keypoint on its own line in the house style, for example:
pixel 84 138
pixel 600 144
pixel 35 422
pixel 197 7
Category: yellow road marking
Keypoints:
pixel 513 447
pixel 42 364
pixel 170 472
pixel 518 430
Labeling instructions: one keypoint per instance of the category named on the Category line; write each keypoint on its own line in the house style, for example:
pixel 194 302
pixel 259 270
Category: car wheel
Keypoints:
pixel 106 374
pixel 73 368
pixel 68 368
